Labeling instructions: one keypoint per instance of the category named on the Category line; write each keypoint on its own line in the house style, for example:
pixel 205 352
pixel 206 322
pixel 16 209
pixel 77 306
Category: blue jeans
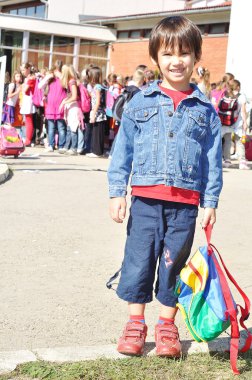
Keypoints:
pixel 22 132
pixel 75 140
pixel 61 127
pixel 158 232
pixel 81 140
pixel 88 137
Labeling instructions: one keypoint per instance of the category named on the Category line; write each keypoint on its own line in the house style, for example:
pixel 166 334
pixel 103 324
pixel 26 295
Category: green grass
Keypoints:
pixel 194 367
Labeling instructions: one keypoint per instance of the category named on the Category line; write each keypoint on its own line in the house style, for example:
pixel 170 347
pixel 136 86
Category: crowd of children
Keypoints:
pixel 45 107
pixel 234 110
pixel 64 110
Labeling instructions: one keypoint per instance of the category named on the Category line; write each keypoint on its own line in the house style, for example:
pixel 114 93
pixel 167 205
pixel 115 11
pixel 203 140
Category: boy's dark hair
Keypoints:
pixel 175 31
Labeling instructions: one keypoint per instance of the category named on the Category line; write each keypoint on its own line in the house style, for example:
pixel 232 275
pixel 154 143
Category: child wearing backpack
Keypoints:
pixel 232 112
pixel 96 127
pixel 240 126
pixel 12 99
pixel 170 139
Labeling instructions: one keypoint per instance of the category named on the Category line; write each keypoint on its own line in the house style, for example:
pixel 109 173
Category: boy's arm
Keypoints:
pixel 212 182
pixel 121 162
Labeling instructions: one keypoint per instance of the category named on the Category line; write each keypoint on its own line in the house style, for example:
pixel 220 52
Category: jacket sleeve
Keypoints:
pixel 122 157
pixel 212 181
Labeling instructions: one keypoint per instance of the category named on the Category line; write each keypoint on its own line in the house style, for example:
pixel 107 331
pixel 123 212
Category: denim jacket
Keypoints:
pixel 158 145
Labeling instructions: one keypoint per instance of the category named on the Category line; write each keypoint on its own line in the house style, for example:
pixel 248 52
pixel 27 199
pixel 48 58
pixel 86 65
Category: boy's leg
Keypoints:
pixel 181 220
pixel 144 238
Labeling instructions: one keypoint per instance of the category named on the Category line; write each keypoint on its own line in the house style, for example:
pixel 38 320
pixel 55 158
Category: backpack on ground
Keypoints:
pixel 228 110
pixel 85 100
pixel 206 302
pixel 121 100
pixel 11 143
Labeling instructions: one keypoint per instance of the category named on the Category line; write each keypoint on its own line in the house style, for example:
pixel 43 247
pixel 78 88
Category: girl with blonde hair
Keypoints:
pixel 71 105
pixel 204 80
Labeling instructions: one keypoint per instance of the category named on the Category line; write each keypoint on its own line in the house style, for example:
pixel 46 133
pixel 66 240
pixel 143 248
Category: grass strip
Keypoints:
pixel 214 366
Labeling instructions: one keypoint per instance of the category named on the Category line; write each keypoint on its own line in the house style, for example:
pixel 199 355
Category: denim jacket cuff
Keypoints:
pixel 211 203
pixel 117 191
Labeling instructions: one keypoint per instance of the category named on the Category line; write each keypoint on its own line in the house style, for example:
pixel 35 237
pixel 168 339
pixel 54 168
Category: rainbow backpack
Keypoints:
pixel 206 302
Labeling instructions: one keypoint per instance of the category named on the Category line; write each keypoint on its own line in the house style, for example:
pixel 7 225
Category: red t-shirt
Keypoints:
pixel 169 193
pixel 31 83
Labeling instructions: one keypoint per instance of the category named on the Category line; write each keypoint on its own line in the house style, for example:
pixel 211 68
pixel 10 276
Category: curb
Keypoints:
pixel 4 172
pixel 9 360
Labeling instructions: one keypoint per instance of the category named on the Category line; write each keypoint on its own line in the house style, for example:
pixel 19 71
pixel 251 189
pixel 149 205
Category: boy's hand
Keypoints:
pixel 208 217
pixel 117 209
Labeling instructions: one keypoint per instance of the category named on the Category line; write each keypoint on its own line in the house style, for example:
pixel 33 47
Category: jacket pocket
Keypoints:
pixel 146 139
pixel 197 126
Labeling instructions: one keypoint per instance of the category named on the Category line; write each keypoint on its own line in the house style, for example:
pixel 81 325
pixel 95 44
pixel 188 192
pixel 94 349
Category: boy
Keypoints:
pixel 170 138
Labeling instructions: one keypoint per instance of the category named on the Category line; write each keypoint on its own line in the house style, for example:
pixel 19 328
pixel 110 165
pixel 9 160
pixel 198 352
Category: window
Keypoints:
pixel 201 28
pixel 123 35
pixel 11 38
pixel 85 62
pixel 217 28
pixel 22 11
pixel 40 11
pixel 31 9
pixel 66 59
pixel 147 33
pixel 95 49
pixel 39 59
pixel 63 44
pixel 136 34
pixel 39 41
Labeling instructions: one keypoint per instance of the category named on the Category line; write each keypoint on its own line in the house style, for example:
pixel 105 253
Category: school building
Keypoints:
pixel 114 34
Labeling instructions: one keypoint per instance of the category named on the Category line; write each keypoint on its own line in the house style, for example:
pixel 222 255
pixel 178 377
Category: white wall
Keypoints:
pixel 239 44
pixel 113 8
pixel 66 10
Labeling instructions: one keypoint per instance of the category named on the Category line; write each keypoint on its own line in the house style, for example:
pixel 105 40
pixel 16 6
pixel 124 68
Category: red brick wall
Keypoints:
pixel 127 55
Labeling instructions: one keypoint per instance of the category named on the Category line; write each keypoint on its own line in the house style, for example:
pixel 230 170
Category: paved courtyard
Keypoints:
pixel 59 247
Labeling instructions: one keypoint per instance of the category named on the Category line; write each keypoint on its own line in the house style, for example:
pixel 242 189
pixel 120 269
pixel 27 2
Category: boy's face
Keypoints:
pixel 176 67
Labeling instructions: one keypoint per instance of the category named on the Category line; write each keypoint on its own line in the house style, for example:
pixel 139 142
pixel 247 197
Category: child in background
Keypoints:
pixel 13 98
pixel 240 126
pixel 216 95
pixel 54 94
pixel 114 90
pixel 170 138
pixel 97 115
pixel 27 107
pixel 204 81
pixel 73 113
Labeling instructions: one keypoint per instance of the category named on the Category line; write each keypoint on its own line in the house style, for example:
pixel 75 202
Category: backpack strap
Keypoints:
pixel 110 282
pixel 231 312
pixel 235 334
pixel 245 311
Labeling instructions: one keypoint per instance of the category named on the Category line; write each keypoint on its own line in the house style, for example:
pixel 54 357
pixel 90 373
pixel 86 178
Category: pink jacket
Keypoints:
pixel 53 100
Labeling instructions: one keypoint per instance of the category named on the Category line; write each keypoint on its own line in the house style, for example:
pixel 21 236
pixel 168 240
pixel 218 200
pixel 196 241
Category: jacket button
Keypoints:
pixel 170 113
pixel 146 113
pixel 171 134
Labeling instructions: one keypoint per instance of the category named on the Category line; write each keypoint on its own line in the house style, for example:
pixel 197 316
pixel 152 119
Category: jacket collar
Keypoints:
pixel 154 87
